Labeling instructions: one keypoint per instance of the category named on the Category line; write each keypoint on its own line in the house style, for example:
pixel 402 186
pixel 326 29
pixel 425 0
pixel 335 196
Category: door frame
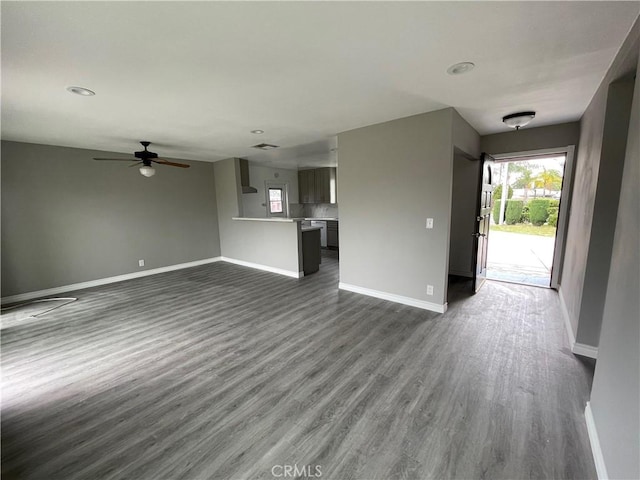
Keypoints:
pixel 564 211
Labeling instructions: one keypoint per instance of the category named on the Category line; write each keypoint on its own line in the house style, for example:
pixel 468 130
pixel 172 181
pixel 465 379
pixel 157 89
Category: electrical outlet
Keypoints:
pixel 429 222
pixel 141 263
pixel 429 289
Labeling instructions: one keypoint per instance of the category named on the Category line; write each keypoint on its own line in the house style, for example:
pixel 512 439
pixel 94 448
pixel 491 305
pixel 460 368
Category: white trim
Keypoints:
pixel 577 348
pixel 392 297
pixel 103 281
pixel 596 450
pixel 266 268
pixel 531 153
pixel 585 350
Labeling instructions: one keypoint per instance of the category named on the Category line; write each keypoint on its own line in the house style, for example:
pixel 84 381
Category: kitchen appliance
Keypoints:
pixel 323 231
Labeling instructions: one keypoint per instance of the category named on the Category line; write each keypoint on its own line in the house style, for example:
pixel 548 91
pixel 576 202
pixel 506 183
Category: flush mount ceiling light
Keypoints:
pixel 85 92
pixel 257 132
pixel 517 120
pixel 460 68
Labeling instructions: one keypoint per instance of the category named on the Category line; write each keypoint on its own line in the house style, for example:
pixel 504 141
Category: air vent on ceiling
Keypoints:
pixel 265 146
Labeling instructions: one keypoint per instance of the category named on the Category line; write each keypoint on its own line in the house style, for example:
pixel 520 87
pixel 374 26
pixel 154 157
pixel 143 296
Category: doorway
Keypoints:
pixel 526 218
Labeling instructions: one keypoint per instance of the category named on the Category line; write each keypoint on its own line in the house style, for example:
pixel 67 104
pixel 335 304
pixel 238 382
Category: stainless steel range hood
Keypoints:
pixel 244 177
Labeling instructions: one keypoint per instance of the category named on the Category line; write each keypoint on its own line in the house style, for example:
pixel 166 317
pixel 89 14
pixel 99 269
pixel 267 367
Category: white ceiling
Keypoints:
pixel 195 78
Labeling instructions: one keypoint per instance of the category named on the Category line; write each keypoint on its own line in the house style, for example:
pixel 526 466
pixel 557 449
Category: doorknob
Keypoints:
pixel 478 235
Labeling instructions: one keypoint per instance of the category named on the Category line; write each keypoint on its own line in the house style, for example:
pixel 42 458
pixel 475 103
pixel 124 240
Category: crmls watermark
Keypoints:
pixel 292 471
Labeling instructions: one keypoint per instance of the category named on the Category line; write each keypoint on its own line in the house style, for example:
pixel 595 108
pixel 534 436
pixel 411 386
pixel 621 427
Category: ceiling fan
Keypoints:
pixel 147 158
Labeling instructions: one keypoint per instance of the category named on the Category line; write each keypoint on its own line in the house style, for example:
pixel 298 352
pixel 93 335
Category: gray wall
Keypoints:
pixel 615 396
pixel 466 142
pixel 592 184
pixel 553 136
pixel 392 177
pixel 463 215
pixel 271 244
pixel 254 204
pixel 605 206
pixel 465 138
pixel 68 219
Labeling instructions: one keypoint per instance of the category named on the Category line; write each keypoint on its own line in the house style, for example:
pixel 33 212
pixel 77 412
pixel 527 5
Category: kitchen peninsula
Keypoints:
pixel 308 241
pixel 249 237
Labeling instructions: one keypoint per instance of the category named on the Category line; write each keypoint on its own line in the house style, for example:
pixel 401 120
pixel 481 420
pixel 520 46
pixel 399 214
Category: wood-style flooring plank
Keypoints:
pixel 223 372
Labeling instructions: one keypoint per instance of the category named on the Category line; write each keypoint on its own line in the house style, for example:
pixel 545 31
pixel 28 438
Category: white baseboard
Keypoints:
pixel 103 281
pixel 433 307
pixel 577 348
pixel 266 268
pixel 585 350
pixel 596 450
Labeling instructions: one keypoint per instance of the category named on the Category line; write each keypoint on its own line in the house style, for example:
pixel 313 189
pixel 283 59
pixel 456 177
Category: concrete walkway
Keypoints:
pixel 514 257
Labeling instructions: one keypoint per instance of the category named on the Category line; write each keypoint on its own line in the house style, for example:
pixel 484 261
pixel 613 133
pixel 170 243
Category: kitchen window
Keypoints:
pixel 277 203
pixel 275 200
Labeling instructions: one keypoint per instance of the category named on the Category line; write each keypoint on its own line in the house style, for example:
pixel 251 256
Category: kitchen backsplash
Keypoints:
pixel 320 210
pixel 296 210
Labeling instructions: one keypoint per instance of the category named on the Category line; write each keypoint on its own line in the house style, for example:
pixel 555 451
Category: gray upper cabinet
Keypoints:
pixel 317 185
pixel 307 186
pixel 323 193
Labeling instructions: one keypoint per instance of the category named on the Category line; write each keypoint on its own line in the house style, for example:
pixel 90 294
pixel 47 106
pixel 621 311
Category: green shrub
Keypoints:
pixel 497 192
pixel 553 216
pixel 496 212
pixel 513 212
pixel 539 211
pixel 525 214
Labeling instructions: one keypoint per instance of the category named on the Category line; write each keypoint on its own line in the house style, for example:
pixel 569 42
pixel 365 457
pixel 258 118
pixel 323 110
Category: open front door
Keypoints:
pixel 483 217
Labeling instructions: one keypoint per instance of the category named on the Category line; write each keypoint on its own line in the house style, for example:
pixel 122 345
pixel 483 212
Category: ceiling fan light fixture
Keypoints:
pixel 147 171
pixel 517 120
pixel 85 92
pixel 257 132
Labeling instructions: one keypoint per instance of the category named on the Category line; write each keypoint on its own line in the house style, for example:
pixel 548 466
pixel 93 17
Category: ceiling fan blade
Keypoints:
pixel 162 161
pixel 118 159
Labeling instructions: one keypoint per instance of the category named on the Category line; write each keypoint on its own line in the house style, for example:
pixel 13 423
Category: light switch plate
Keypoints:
pixel 141 263
pixel 429 222
pixel 429 289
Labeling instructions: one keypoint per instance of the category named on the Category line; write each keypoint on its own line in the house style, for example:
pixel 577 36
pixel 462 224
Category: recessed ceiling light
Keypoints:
pixel 460 68
pixel 257 132
pixel 85 92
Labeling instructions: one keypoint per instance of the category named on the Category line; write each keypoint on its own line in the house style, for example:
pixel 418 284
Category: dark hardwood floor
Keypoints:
pixel 223 372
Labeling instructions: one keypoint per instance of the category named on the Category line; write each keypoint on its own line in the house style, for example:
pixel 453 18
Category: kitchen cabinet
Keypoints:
pixel 307 186
pixel 323 188
pixel 310 250
pixel 332 234
pixel 317 185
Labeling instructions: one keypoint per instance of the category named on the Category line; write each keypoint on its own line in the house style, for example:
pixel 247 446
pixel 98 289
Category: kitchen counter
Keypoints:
pixel 307 229
pixel 323 219
pixel 270 219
